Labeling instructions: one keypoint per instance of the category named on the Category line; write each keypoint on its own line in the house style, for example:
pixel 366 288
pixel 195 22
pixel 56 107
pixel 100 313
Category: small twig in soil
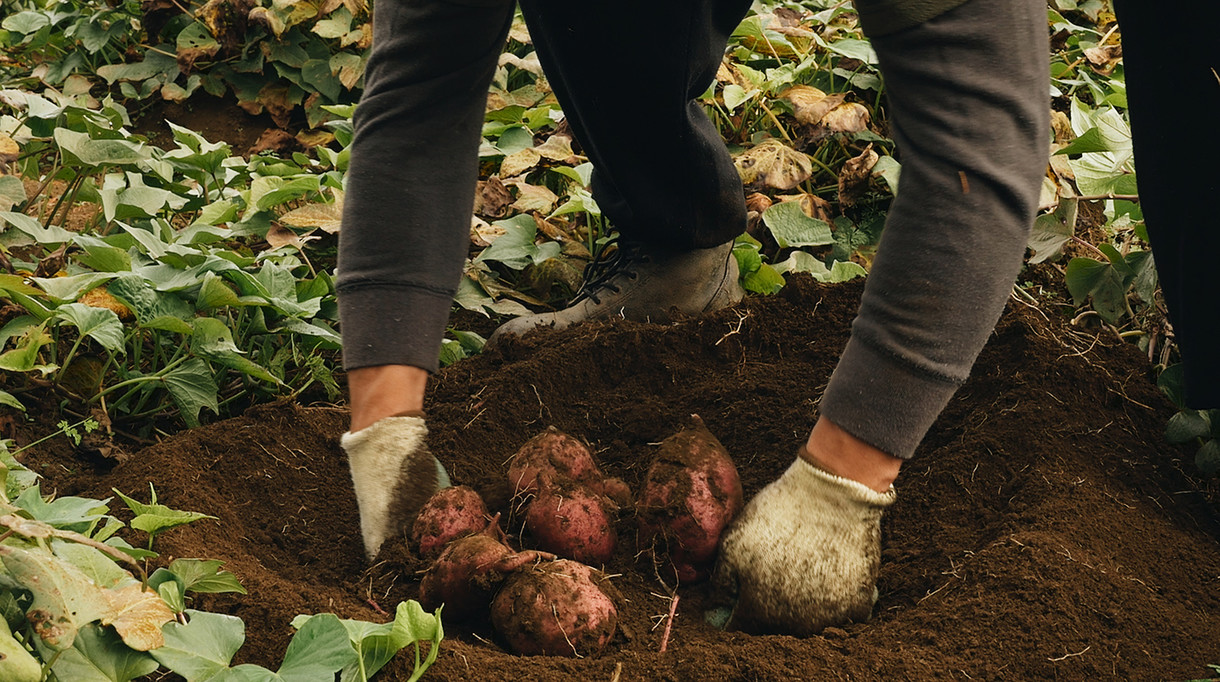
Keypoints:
pixel 1067 656
pixel 618 671
pixel 669 622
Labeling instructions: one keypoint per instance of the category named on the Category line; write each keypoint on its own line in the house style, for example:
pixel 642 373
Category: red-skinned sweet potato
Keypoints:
pixel 464 578
pixel 690 494
pixel 558 608
pixel 573 522
pixel 448 515
pixel 552 456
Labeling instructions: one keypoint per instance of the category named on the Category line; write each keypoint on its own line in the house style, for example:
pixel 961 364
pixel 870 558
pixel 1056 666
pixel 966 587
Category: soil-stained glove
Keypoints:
pixel 394 475
pixel 804 554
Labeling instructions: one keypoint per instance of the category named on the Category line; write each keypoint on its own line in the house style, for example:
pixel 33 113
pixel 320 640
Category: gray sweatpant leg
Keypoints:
pixel 968 94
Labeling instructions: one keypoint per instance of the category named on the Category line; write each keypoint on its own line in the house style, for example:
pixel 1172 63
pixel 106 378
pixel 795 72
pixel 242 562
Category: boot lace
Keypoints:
pixel 609 265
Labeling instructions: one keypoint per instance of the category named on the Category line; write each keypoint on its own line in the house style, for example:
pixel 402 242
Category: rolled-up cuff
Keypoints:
pixel 389 324
pixel 884 401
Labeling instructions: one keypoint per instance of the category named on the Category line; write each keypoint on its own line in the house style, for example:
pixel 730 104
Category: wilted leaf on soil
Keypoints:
pixel 813 205
pixel 855 174
pixel 492 198
pixel 483 233
pixel 1104 58
pixel 556 148
pixel 846 118
pixel 536 198
pixel 810 104
pixel 519 162
pixel 774 164
pixel 326 217
pixel 278 235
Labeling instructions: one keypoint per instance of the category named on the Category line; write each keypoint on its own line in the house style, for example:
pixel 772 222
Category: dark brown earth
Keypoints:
pixel 1044 530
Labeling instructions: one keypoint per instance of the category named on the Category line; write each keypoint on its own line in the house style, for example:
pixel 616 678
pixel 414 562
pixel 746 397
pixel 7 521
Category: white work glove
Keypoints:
pixel 394 475
pixel 804 553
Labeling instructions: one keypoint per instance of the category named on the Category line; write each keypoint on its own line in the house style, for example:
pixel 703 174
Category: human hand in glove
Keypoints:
pixel 394 475
pixel 804 553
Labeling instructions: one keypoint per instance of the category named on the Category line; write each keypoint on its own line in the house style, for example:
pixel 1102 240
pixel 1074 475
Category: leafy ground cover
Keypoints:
pixel 162 277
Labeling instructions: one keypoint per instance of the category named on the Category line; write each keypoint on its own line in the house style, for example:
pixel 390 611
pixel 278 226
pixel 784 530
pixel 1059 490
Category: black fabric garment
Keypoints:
pixel 968 95
pixel 627 75
pixel 1171 74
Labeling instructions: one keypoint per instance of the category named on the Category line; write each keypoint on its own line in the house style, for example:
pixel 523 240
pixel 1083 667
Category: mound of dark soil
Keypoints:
pixel 1044 530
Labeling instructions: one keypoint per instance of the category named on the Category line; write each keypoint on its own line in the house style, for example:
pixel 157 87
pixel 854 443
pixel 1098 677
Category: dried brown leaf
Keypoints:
pixel 812 205
pixel 482 233
pixel 774 164
pixel 854 176
pixel 810 104
pixel 492 198
pixel 519 162
pixel 278 235
pixel 556 148
pixel 326 217
pixel 533 198
pixel 1104 58
pixel 846 118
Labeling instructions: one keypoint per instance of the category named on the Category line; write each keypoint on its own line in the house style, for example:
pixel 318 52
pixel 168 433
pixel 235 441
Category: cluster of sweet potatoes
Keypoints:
pixel 548 599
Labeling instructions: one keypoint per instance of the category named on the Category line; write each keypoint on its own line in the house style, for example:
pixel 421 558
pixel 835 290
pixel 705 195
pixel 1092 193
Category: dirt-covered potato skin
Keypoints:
pixel 556 608
pixel 552 456
pixel 689 496
pixel 449 514
pixel 573 522
pixel 466 575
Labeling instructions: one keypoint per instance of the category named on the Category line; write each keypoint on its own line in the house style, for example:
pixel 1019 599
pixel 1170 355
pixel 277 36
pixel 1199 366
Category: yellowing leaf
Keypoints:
pixel 137 616
pixel 846 118
pixel 556 148
pixel 519 162
pixel 809 104
pixel 314 138
pixel 774 164
pixel 8 149
pixel 101 298
pixel 533 198
pixel 326 217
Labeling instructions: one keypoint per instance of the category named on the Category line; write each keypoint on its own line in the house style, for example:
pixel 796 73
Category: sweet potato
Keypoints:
pixel 689 496
pixel 558 608
pixel 448 515
pixel 616 489
pixel 573 522
pixel 469 570
pixel 552 456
